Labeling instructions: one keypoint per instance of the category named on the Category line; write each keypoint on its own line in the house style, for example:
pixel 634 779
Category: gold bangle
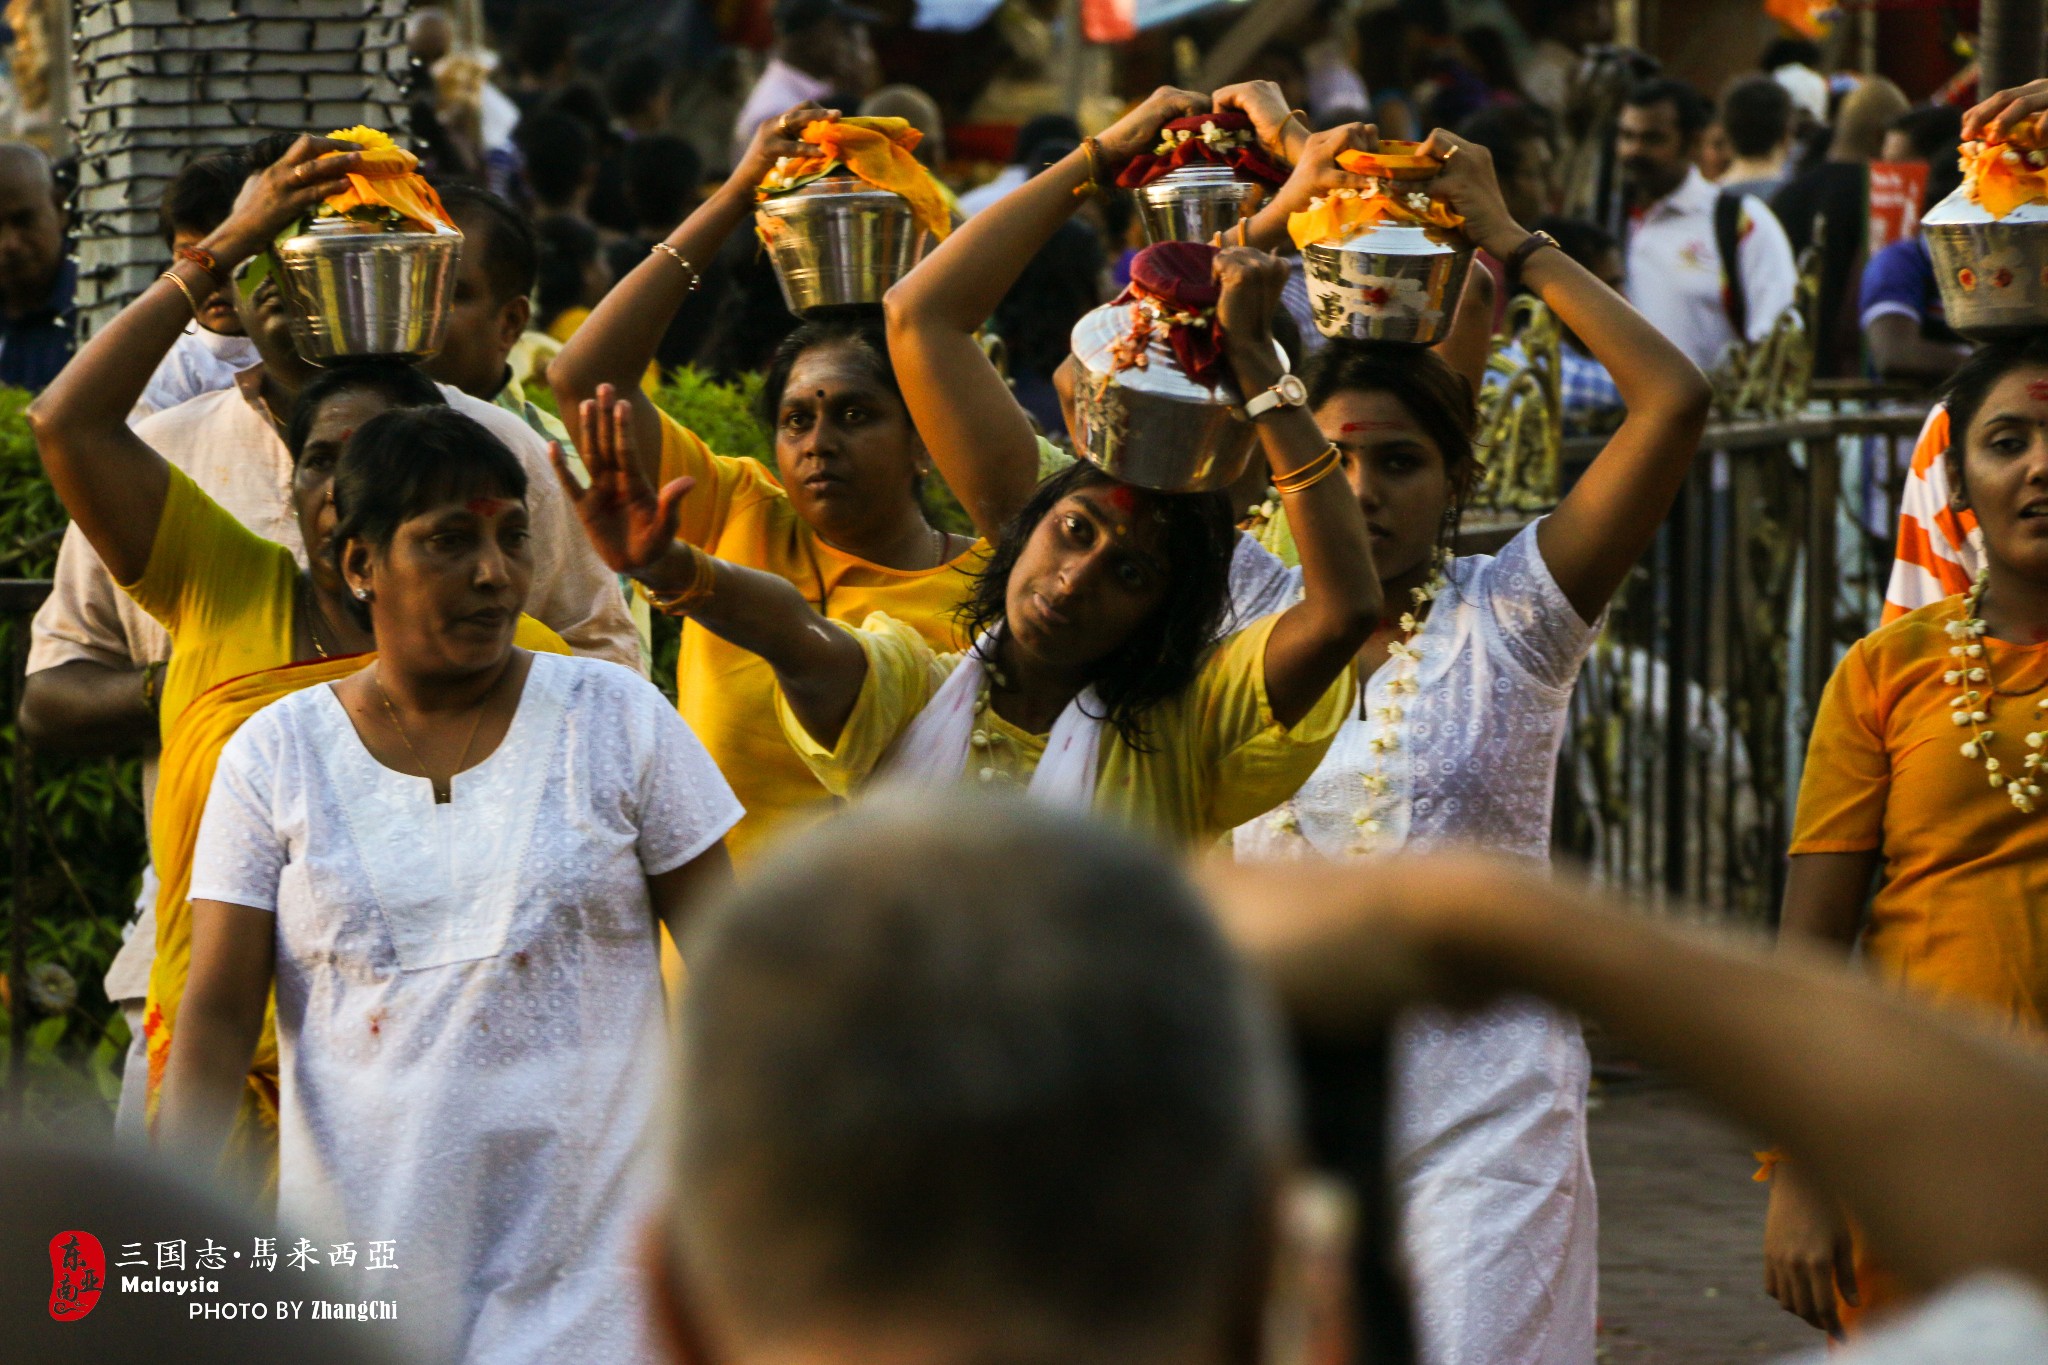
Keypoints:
pixel 1094 185
pixel 1310 474
pixel 703 580
pixel 183 288
pixel 696 275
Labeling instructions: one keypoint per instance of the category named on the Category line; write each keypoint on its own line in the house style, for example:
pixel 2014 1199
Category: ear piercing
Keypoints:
pixel 363 593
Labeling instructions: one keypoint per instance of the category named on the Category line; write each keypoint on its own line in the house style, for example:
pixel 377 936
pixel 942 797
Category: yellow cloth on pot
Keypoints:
pixel 878 151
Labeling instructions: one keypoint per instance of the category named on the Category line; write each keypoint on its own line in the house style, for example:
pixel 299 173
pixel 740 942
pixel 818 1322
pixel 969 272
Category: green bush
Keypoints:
pixel 86 845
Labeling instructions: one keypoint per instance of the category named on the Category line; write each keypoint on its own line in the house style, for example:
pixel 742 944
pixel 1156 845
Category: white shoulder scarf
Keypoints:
pixel 931 753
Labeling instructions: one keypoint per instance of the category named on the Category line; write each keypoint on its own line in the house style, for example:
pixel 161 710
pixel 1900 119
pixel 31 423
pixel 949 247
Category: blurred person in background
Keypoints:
pixel 921 112
pixel 1036 317
pixel 1906 335
pixel 37 278
pixel 1563 30
pixel 214 347
pixel 1928 133
pixel 559 154
pixel 1756 114
pixel 1591 401
pixel 1707 269
pixel 1795 64
pixel 636 102
pixel 1040 143
pixel 822 48
pixel 573 276
pixel 664 182
pixel 542 49
pixel 1830 204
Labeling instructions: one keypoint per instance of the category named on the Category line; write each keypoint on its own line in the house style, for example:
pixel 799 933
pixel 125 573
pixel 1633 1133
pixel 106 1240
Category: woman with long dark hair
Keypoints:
pixel 1095 677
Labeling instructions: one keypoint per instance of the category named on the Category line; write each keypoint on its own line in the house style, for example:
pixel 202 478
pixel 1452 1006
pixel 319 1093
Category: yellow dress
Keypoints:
pixel 1214 758
pixel 228 597
pixel 739 512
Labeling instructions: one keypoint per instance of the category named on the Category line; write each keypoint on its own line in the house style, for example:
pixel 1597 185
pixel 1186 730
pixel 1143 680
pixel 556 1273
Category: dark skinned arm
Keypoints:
pixel 678 892
pixel 819 665
pixel 1807 1253
pixel 233 960
pixel 111 483
pixel 84 709
pixel 979 437
pixel 1899 351
pixel 1608 520
pixel 1791 1045
pixel 1316 638
pixel 617 342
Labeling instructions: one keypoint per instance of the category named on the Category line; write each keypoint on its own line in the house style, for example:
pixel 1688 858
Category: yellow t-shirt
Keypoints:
pixel 739 512
pixel 1961 916
pixel 227 596
pixel 1214 755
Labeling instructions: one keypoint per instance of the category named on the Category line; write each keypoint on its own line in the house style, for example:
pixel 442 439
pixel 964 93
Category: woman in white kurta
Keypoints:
pixel 1454 740
pixel 452 861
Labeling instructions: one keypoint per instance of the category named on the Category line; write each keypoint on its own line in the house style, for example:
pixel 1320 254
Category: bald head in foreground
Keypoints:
pixel 987 1084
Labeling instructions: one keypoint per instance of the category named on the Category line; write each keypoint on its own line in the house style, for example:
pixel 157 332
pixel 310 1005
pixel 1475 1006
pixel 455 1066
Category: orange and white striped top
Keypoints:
pixel 1939 549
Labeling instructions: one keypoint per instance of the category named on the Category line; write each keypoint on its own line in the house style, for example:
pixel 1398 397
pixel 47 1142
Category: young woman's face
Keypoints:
pixel 844 444
pixel 2005 472
pixel 1397 473
pixel 313 476
pixel 446 594
pixel 1093 570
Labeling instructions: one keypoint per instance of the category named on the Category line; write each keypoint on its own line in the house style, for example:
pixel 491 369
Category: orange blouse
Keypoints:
pixel 1962 913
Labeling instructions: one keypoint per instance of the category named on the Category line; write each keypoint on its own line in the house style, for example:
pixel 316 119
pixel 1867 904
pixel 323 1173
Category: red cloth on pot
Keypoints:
pixel 1180 276
pixel 1250 161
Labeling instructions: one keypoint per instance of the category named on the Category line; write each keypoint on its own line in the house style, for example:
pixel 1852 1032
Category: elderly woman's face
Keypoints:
pixel 313 476
pixel 446 593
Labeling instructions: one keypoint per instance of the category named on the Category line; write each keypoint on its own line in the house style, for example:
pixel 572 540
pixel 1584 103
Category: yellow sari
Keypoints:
pixel 184 777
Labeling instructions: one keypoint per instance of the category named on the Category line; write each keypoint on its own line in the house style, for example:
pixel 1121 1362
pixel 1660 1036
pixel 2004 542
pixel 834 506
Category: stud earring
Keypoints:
pixel 363 594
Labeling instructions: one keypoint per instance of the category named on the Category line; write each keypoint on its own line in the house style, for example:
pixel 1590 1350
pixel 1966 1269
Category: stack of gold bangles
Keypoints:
pixel 703 578
pixel 1310 474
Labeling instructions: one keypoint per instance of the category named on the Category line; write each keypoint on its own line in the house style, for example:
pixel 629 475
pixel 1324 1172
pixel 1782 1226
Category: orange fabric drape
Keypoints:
pixel 1340 216
pixel 878 151
pixel 389 177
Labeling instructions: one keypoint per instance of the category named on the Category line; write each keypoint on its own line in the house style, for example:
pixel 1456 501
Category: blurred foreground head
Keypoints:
pixel 982 1082
pixel 121 1201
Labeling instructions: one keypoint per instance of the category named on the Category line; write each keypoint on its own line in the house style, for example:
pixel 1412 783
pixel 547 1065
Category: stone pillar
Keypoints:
pixel 156 82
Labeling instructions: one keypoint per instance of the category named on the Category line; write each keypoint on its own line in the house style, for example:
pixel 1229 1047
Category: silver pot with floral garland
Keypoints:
pixel 359 292
pixel 1140 419
pixel 839 240
pixel 1992 272
pixel 1388 283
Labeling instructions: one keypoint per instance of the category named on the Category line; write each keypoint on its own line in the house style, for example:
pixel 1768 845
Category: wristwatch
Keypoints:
pixel 1531 244
pixel 1287 392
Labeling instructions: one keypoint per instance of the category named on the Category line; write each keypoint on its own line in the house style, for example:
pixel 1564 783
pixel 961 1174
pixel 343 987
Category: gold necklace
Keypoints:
pixel 444 792
pixel 315 613
pixel 1972 665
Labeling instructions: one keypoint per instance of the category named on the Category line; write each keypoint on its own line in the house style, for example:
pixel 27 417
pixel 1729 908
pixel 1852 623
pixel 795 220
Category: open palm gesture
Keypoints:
pixel 630 524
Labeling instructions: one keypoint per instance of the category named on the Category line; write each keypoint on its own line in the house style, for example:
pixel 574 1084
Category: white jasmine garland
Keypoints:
pixel 1968 709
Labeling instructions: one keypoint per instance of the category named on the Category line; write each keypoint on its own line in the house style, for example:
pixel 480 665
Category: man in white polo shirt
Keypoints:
pixel 1705 272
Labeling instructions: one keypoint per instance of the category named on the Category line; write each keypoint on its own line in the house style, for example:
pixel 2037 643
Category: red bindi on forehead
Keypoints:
pixel 1351 428
pixel 1124 499
pixel 487 507
pixel 2037 389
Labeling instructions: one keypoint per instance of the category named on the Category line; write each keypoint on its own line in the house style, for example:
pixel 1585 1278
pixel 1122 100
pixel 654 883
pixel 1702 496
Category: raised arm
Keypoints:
pixel 819 666
pixel 617 341
pixel 1315 638
pixel 1946 1181
pixel 111 483
pixel 1611 515
pixel 977 434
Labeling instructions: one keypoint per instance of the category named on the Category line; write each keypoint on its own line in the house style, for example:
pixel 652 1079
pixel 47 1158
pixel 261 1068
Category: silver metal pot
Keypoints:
pixel 356 294
pixel 1992 272
pixel 839 240
pixel 1153 426
pixel 1194 203
pixel 1387 283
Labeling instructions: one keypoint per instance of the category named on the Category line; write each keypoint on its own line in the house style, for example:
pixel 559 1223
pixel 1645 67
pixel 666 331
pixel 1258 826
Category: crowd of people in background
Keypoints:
pixel 964 1075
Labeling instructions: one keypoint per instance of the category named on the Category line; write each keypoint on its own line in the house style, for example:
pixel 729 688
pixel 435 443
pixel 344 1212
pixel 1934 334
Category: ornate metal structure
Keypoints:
pixel 1521 417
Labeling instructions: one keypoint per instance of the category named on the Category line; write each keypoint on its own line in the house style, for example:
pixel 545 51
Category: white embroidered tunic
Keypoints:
pixel 1490 1140
pixel 469 1004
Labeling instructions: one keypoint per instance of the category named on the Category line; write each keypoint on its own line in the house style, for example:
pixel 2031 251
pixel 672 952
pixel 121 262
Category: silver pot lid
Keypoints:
pixel 834 188
pixel 1392 239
